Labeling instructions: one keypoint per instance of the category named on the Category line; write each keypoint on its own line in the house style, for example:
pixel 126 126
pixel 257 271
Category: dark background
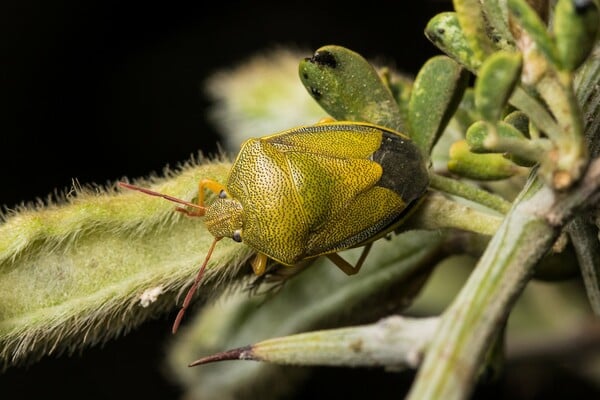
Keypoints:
pixel 98 90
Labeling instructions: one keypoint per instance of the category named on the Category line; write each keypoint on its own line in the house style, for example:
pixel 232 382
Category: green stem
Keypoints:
pixel 450 367
pixel 469 192
pixel 572 155
pixel 584 237
pixel 535 111
pixel 469 324
pixel 439 212
pixel 533 151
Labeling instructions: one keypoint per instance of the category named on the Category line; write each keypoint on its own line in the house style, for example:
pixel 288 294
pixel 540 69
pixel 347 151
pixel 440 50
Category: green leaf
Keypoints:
pixel 480 136
pixel 349 88
pixel 394 343
pixel 479 166
pixel 575 28
pixel 472 22
pixel 444 31
pixel 519 121
pixel 496 80
pixel 436 94
pixel 496 15
pixel 484 137
pixel 401 87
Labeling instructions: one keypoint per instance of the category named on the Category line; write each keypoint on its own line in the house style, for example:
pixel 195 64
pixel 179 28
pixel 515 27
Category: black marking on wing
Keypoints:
pixel 404 170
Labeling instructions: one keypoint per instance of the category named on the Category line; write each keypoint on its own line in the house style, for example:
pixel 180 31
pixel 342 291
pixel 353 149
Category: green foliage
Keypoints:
pixel 330 76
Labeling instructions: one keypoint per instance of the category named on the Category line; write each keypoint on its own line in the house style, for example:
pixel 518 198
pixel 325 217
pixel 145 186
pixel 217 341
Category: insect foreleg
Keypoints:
pixel 259 264
pixel 209 184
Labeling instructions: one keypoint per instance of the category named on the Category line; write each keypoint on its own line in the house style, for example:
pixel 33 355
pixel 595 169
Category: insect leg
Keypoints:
pixel 209 184
pixel 259 264
pixel 345 266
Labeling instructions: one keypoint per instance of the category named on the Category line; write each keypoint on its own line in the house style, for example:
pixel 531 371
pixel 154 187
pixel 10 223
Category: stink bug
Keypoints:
pixel 311 191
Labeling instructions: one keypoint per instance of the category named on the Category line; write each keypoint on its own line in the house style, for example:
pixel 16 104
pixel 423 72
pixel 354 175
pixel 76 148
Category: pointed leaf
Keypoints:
pixel 394 343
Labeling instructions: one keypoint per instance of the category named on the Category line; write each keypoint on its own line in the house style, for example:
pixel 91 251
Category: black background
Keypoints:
pixel 98 90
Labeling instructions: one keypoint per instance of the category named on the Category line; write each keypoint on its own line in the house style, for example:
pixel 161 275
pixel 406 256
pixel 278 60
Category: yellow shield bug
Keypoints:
pixel 311 191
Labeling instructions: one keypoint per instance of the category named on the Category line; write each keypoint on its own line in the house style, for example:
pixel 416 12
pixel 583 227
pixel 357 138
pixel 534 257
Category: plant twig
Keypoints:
pixel 469 192
pixel 528 231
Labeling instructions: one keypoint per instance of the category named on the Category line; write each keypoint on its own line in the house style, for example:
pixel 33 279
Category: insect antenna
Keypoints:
pixel 192 290
pixel 200 209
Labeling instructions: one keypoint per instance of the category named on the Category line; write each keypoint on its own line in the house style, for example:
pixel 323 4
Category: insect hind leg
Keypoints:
pixel 345 266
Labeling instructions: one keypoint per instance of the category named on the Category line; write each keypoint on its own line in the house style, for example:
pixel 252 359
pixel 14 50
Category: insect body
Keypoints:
pixel 311 191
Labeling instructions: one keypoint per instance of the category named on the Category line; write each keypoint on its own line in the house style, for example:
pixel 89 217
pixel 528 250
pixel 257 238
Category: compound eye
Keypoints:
pixel 222 194
pixel 237 236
